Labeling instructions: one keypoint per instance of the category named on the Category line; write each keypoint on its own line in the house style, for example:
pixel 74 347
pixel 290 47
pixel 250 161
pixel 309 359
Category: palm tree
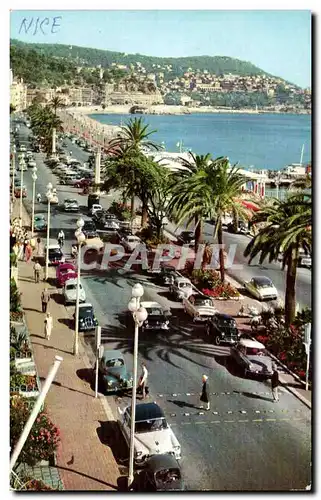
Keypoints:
pixel 134 135
pixel 180 188
pixel 55 103
pixel 287 229
pixel 43 121
pixel 209 192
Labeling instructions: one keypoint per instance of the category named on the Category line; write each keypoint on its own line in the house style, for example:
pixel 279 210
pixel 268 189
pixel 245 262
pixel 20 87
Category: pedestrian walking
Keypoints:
pixel 20 250
pixel 48 325
pixel 143 380
pixel 28 251
pixel 205 392
pixel 275 384
pixel 45 297
pixel 37 270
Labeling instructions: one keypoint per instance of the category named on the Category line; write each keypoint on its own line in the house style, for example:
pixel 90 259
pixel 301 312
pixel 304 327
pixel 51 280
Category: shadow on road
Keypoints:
pixel 255 396
pixel 66 321
pixel 57 297
pixel 182 404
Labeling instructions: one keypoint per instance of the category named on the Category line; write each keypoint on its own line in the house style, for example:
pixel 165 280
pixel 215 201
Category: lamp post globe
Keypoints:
pixel 132 305
pixel 137 290
pixel 80 223
pixel 141 314
pixel 49 186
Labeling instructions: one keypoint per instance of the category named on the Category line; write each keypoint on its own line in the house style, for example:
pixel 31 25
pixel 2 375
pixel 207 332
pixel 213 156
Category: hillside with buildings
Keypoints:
pixel 83 76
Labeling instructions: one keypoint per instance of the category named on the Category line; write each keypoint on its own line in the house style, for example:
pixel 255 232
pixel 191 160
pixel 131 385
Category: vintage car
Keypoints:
pixel 242 227
pixel 40 223
pixel 86 319
pixel 113 372
pixel 65 272
pixel 70 292
pixel 71 205
pixel 161 473
pixel 261 288
pixel 252 358
pixel 89 229
pixel 157 318
pixel 130 242
pixel 186 238
pixel 153 435
pixel 181 288
pixel 17 192
pixel 222 328
pixel 55 255
pixel 199 306
pixel 95 208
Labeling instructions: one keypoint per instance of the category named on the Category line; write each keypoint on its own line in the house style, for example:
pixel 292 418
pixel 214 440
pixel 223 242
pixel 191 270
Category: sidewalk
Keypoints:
pixel 84 460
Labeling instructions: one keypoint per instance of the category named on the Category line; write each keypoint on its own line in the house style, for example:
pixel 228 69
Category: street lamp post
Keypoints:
pixel 13 170
pixel 34 178
pixel 81 239
pixel 277 184
pixel 139 316
pixel 49 198
pixel 22 164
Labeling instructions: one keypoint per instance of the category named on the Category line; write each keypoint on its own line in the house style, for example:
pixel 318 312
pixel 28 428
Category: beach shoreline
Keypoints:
pixel 163 109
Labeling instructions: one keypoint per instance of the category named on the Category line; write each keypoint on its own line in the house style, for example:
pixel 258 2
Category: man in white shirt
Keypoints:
pixel 143 379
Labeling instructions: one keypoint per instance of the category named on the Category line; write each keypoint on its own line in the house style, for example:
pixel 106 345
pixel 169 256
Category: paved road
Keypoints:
pixel 246 442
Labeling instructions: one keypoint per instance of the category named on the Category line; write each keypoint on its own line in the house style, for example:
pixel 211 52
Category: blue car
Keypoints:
pixel 113 372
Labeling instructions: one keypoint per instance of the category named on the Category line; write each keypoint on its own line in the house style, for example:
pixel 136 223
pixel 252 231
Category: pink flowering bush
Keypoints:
pixel 44 436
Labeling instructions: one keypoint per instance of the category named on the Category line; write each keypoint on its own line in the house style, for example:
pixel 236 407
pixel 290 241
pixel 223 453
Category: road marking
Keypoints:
pixel 229 411
pixel 284 419
pixel 229 421
pixel 257 411
pixel 258 420
pixel 201 413
pixel 270 420
pixel 243 420
pixel 173 414
pixel 271 411
pixel 188 394
pixel 202 422
pixel 243 411
pixel 215 421
pixel 215 412
pixel 186 423
pixel 160 395
pixel 187 414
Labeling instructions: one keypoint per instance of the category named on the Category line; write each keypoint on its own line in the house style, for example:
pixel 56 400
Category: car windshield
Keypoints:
pixel 263 283
pixel 156 424
pixel 199 301
pixel 55 252
pixel 227 323
pixel 73 286
pixel 184 284
pixel 85 311
pixel 116 362
pixel 251 351
pixel 155 311
pixel 66 271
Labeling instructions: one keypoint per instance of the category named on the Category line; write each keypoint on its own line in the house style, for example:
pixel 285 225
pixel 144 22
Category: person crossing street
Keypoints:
pixel 275 384
pixel 204 397
pixel 143 380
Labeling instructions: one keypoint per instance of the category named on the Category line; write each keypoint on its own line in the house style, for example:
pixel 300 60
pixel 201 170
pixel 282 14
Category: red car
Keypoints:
pixel 82 183
pixel 65 272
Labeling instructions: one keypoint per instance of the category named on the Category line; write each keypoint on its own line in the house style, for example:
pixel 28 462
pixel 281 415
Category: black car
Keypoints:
pixel 187 238
pixel 241 228
pixel 222 327
pixel 161 473
pixel 55 255
pixel 166 276
pixel 87 319
pixel 89 229
pixel 157 318
pixel 98 215
pixel 93 199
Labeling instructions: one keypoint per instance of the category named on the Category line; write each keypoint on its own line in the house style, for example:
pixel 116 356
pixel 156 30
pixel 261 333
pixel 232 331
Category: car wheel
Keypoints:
pixel 217 340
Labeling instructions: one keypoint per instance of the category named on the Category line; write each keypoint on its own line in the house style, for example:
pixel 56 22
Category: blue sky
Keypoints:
pixel 278 42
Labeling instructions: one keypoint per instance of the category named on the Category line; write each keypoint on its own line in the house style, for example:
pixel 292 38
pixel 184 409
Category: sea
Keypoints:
pixel 259 141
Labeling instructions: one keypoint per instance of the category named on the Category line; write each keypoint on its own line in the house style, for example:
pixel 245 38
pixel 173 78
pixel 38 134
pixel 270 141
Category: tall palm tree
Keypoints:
pixel 133 135
pixel 287 229
pixel 210 192
pixel 55 103
pixel 180 188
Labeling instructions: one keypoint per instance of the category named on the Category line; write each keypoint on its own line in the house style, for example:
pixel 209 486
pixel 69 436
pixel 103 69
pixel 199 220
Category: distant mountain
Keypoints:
pixel 179 65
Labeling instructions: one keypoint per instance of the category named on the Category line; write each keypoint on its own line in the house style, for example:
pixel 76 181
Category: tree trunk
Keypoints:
pixel 221 250
pixel 198 232
pixel 132 211
pixel 290 299
pixel 144 216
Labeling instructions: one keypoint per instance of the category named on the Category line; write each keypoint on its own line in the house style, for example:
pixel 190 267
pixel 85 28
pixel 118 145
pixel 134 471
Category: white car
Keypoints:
pixel 70 292
pixel 130 242
pixel 199 307
pixel 71 205
pixel 261 288
pixel 22 147
pixel 95 208
pixel 182 288
pixel 153 435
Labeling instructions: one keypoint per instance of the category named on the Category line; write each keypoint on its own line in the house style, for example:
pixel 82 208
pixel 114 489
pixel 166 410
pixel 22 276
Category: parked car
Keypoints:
pixel 89 229
pixel 55 254
pixel 305 259
pixel 86 319
pixel 130 243
pixel 261 288
pixel 65 272
pixel 107 224
pixel 93 199
pixel 252 358
pixel 181 288
pixel 186 238
pixel 161 473
pixel 242 227
pixel 166 275
pixel 70 292
pixel 31 163
pixel 199 307
pixel 157 318
pixel 222 328
pixel 18 192
pixel 95 208
pixel 40 223
pixel 113 372
pixel 71 205
pixel 153 435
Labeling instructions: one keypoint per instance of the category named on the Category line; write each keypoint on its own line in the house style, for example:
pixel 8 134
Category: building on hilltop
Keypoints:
pixel 18 95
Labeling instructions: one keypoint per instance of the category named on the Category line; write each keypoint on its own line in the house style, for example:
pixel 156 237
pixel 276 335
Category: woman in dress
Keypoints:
pixel 205 392
pixel 48 325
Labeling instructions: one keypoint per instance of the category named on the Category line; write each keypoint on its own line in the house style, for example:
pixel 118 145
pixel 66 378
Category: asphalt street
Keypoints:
pixel 246 442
